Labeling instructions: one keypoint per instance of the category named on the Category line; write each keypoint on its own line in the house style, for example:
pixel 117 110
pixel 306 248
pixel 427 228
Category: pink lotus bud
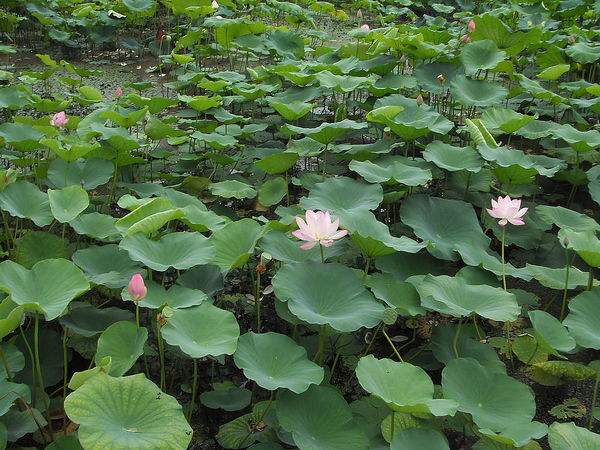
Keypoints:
pixel 419 99
pixel 214 4
pixel 119 92
pixel 136 287
pixel 365 27
pixel 359 13
pixel 465 38
pixel 571 38
pixel 59 120
pixel 471 26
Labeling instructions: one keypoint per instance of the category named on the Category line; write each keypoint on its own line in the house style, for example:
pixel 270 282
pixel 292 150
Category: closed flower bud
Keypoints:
pixel 137 288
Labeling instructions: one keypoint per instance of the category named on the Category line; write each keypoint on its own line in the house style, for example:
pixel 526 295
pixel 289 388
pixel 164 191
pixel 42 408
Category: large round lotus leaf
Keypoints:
pixel 397 294
pixel 470 93
pixel 512 42
pixel 555 278
pixel 320 418
pixel 452 295
pixel 517 435
pixel 563 436
pixel 284 365
pixel 226 396
pixel 343 194
pixel 509 158
pixel 292 110
pixel 453 158
pixel 585 243
pixel 179 250
pixel 392 170
pixel 10 317
pixel 175 297
pixel 580 141
pixel 281 161
pixel 87 173
pixel 21 136
pixel 88 321
pixel 480 55
pixel 232 189
pixel 373 237
pixel 208 279
pixel 583 53
pixel 496 401
pixel 25 200
pixel 149 217
pixel 583 319
pixel 127 413
pixel 468 346
pixel 423 438
pixel 327 294
pixel 202 330
pixel 124 343
pixel 272 191
pixel 410 120
pixel 234 243
pixel 96 225
pixel 35 246
pixel 326 133
pixel 47 288
pixel 402 386
pixel 277 244
pixel 107 265
pixel 550 332
pixel 404 265
pixel 12 392
pixel 427 76
pixel 505 120
pixel 343 83
pixel 567 218
pixel 444 222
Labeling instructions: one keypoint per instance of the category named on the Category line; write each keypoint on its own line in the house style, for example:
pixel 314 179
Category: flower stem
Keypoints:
pixel 503 261
pixel 161 356
pixel 566 289
pixel 391 344
pixel 137 314
pixel 322 255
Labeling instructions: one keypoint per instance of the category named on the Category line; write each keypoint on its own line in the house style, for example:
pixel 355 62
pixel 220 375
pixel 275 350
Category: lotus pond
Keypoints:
pixel 314 225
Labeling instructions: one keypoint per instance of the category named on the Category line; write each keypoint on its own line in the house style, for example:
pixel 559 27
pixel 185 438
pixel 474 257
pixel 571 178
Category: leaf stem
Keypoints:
pixel 455 340
pixel 194 391
pixel 391 344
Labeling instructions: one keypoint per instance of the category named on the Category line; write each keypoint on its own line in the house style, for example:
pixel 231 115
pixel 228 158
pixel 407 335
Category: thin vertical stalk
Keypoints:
pixel 566 289
pixel 391 344
pixel 593 406
pixel 38 366
pixel 456 336
pixel 161 356
pixel 194 391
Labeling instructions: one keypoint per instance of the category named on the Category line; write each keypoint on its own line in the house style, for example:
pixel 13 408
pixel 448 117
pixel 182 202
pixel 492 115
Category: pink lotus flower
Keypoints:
pixel 571 38
pixel 419 99
pixel 59 120
pixel 137 288
pixel 471 26
pixel 365 27
pixel 318 228
pixel 119 92
pixel 214 4
pixel 508 210
pixel 465 38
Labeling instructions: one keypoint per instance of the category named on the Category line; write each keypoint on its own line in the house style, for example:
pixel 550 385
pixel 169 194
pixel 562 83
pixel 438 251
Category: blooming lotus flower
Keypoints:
pixel 119 91
pixel 214 4
pixel 59 120
pixel 365 27
pixel 508 210
pixel 465 38
pixel 318 229
pixel 471 26
pixel 137 288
